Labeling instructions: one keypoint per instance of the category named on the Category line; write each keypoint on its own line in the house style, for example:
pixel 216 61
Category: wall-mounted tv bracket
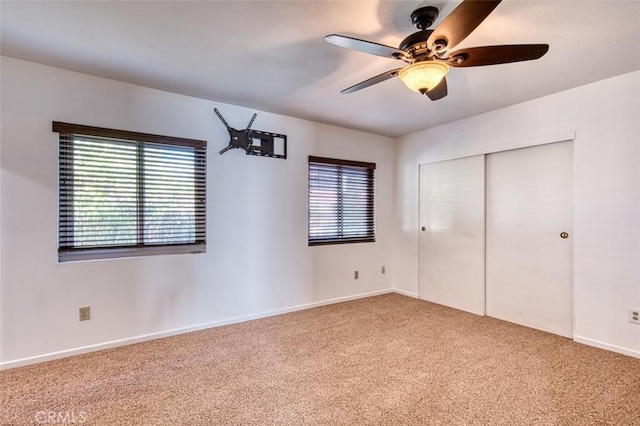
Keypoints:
pixel 255 142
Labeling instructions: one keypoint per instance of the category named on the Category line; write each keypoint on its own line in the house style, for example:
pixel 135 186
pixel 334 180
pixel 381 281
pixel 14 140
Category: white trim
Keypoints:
pixel 234 320
pixel 565 136
pixel 168 333
pixel 545 140
pixel 606 346
pixel 406 293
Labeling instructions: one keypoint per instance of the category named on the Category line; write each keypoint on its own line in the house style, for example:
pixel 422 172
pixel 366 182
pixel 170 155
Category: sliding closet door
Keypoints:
pixel 451 252
pixel 529 258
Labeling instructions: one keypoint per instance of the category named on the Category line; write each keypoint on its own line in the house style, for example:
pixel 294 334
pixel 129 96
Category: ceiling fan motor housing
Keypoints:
pixel 422 19
pixel 416 41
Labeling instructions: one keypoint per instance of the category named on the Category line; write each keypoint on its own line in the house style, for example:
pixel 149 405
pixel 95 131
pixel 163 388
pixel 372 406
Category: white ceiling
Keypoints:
pixel 270 55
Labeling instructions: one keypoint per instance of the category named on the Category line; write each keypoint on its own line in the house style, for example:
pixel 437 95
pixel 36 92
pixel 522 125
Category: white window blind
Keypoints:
pixel 129 194
pixel 341 201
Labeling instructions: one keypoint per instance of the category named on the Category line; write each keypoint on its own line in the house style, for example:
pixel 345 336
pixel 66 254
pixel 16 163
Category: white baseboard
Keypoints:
pixel 406 293
pixel 606 346
pixel 167 333
pixel 158 335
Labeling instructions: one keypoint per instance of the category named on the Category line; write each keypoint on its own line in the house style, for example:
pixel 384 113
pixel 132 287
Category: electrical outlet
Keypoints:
pixel 634 315
pixel 356 275
pixel 84 313
pixel 383 270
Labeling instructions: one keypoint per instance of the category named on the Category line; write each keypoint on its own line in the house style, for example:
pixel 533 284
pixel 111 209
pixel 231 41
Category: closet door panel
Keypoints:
pixel 529 207
pixel 451 242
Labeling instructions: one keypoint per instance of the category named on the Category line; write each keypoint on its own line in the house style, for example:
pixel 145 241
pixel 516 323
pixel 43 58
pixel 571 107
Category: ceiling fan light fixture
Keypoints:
pixel 423 76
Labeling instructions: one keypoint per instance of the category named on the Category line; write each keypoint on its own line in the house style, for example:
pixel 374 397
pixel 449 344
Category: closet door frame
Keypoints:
pixel 525 143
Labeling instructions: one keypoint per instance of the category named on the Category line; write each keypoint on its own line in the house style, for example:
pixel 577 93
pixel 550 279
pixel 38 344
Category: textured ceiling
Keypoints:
pixel 270 55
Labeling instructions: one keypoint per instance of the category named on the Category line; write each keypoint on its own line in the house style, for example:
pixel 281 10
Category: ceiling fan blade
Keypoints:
pixel 460 23
pixel 373 80
pixel 438 92
pixel 491 55
pixel 366 46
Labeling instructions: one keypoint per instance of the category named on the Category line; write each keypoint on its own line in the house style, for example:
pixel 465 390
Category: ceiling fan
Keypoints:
pixel 427 51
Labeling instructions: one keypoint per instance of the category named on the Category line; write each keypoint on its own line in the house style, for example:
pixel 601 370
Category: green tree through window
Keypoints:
pixel 129 194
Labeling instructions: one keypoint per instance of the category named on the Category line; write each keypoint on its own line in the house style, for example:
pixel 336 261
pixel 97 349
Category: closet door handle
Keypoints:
pixel 564 235
pixel 424 228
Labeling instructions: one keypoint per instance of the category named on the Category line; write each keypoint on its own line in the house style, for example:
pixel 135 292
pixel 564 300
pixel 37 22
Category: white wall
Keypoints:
pixel 605 117
pixel 257 258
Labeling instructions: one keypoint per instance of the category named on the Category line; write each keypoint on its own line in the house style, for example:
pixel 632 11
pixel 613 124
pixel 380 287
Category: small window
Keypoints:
pixel 125 194
pixel 341 205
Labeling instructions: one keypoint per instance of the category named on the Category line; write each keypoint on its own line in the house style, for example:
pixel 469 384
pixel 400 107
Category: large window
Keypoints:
pixel 127 194
pixel 341 205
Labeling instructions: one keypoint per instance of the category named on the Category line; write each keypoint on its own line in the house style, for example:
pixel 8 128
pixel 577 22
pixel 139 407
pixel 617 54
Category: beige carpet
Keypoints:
pixel 386 360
